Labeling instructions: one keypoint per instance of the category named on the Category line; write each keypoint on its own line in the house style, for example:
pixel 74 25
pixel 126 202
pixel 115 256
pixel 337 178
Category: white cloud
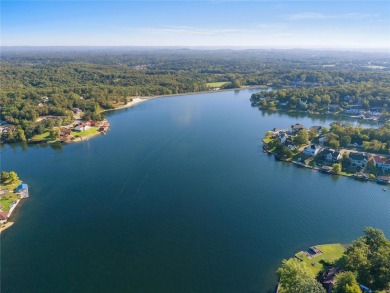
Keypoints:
pixel 316 15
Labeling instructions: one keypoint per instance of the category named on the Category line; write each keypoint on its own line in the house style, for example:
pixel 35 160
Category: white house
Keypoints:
pixel 283 137
pixel 311 150
pixel 82 127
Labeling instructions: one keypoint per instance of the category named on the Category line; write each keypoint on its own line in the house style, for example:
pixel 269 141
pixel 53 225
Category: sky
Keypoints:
pixel 264 24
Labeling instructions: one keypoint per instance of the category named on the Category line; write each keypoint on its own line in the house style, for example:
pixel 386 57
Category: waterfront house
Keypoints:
pixel 322 139
pixel 328 278
pixel 317 129
pixel 82 127
pixel 294 129
pixel 356 143
pixel 331 155
pixel 21 187
pixel 358 159
pixel 3 217
pixel 283 136
pixel 311 150
pixel 103 128
pixel 76 111
pixel 381 162
pixel 333 107
pixel 65 131
pixel 383 179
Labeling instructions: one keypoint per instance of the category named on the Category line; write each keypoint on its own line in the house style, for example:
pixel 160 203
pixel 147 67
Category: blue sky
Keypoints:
pixel 285 24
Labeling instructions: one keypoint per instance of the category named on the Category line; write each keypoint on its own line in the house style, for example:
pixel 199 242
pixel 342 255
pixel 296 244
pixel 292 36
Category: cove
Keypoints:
pixel 177 197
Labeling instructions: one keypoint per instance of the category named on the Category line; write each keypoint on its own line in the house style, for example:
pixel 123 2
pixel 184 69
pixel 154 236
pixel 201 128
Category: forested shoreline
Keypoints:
pixel 52 82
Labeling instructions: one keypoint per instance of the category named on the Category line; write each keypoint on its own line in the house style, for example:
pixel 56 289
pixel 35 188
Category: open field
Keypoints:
pixel 7 199
pixel 88 132
pixel 42 136
pixel 331 253
pixel 216 84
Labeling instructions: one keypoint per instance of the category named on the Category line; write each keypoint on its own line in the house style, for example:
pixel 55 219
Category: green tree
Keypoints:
pixel 55 133
pixel 369 256
pixel 20 136
pixel 301 138
pixel 336 168
pixel 346 283
pixel 4 177
pixel 295 277
pixel 334 144
pixel 345 140
pixel 13 177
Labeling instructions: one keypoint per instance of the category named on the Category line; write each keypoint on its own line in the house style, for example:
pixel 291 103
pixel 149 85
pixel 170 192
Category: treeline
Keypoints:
pixel 317 99
pixel 95 80
pixel 368 139
pixel 366 261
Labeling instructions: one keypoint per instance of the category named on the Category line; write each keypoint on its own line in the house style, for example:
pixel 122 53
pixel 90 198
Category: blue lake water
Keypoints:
pixel 177 197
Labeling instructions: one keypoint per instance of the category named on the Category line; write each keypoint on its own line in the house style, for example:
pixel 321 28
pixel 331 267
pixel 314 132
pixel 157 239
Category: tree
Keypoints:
pixel 4 177
pixel 334 144
pixel 336 168
pixel 8 178
pixel 312 134
pixel 13 177
pixel 20 136
pixel 345 140
pixel 345 157
pixel 302 137
pixel 55 133
pixel 295 277
pixel 369 256
pixel 346 283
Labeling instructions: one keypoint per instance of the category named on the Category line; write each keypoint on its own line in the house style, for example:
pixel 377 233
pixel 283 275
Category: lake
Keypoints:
pixel 177 197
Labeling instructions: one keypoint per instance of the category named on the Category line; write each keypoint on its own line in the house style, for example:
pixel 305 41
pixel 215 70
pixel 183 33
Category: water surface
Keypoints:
pixel 177 197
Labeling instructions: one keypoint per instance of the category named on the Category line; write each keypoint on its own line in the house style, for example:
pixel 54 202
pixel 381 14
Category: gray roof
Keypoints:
pixel 358 156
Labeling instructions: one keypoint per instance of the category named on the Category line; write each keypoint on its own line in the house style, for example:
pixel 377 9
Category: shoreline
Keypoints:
pixel 139 99
pixel 6 226
pixel 22 193
pixel 301 165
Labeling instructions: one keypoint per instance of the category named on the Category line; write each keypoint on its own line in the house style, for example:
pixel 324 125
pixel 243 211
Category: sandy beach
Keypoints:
pixel 134 102
pixel 6 226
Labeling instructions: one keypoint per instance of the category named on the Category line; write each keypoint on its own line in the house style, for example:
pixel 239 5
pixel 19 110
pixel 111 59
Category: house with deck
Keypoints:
pixel 331 155
pixel 311 150
pixel 295 128
pixel 82 127
pixel 381 162
pixel 358 159
pixel 356 143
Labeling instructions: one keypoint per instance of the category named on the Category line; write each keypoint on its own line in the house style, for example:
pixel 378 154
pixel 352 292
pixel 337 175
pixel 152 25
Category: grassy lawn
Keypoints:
pixel 7 199
pixel 331 253
pixel 216 84
pixel 346 173
pixel 268 139
pixel 88 132
pixel 42 136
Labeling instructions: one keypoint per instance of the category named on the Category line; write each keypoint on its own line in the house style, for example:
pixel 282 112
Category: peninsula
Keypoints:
pixel 12 191
pixel 341 150
pixel 363 266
